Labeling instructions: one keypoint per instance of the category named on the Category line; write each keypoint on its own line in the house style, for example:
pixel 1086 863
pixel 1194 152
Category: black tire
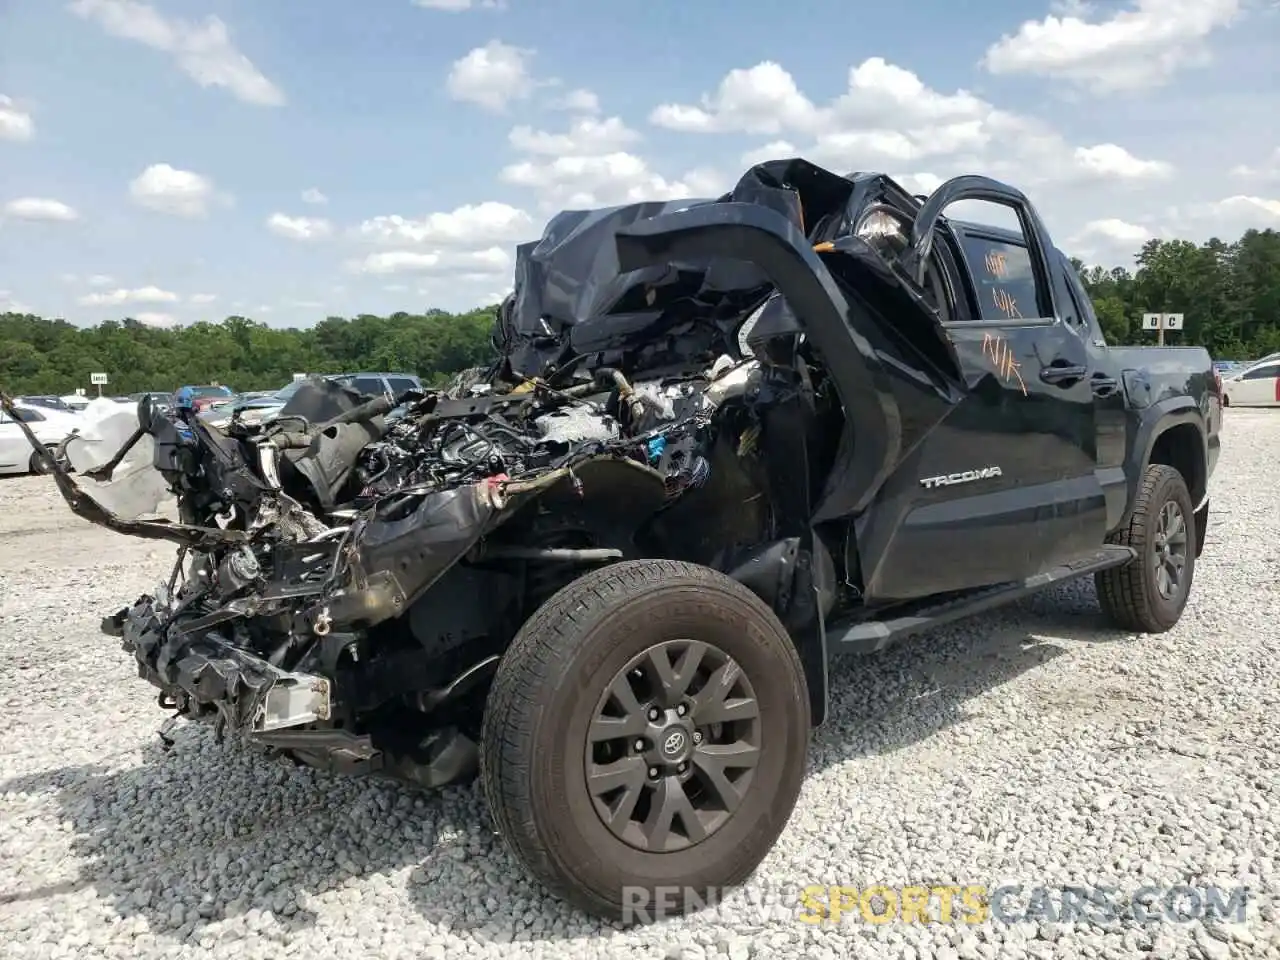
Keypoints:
pixel 533 760
pixel 37 465
pixel 1131 595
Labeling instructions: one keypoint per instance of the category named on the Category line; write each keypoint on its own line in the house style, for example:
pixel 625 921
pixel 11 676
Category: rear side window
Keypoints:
pixel 1262 373
pixel 1003 278
pixel 369 385
pixel 400 384
pixel 1081 307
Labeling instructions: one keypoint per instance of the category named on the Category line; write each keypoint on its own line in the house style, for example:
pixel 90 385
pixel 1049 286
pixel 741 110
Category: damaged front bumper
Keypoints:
pixel 202 676
pixel 204 673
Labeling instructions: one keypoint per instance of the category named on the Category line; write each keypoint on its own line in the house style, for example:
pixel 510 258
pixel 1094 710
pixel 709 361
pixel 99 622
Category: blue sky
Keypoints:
pixel 179 160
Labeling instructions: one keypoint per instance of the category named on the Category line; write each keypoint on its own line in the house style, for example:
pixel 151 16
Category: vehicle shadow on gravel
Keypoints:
pixel 235 843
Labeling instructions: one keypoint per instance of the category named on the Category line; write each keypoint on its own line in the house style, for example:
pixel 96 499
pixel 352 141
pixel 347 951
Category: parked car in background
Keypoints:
pixel 159 399
pixel 51 427
pixel 1257 385
pixel 48 402
pixel 75 401
pixel 264 408
pixel 202 396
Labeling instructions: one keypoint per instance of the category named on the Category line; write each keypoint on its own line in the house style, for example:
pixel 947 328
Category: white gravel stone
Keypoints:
pixel 1031 746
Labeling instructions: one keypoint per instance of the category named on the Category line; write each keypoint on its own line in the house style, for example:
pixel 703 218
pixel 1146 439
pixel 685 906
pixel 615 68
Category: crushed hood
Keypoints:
pixel 571 299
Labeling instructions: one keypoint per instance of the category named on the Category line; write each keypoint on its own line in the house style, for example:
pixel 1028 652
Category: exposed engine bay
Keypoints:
pixel 346 583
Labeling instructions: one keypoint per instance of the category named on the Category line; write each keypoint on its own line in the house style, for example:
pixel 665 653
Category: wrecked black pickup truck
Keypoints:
pixel 722 441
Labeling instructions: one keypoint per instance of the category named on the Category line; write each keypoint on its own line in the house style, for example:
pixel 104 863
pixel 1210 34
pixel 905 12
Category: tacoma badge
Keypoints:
pixel 968 476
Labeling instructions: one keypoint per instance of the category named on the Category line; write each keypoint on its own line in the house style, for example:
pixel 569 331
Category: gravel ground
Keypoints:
pixel 1030 746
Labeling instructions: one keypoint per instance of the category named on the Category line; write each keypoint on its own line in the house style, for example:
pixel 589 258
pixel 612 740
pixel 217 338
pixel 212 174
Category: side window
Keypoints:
pixel 370 385
pixel 400 384
pixel 1263 373
pixel 1003 278
pixel 1082 317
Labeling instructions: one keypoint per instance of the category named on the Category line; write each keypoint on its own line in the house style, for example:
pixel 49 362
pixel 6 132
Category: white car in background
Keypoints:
pixel 75 401
pixel 1257 385
pixel 51 427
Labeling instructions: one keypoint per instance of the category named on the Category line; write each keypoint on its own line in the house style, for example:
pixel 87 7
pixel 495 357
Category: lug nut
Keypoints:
pixel 683 767
pixel 654 714
pixel 653 773
pixel 697 736
pixel 639 744
pixel 682 710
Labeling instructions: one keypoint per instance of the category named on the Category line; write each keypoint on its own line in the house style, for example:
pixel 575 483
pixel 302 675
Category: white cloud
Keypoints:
pixel 299 228
pixel 160 320
pixel 1119 230
pixel 314 197
pixel 1106 160
pixel 487 262
pixel 203 50
pixel 773 150
pixel 15 123
pixel 100 280
pixel 40 208
pixel 1108 241
pixel 10 305
pixel 1138 47
pixel 457 6
pixel 1268 170
pixel 1260 208
pixel 572 181
pixel 491 76
pixel 147 294
pixel 473 225
pixel 578 101
pixel 759 99
pixel 922 182
pixel 203 298
pixel 586 135
pixel 888 118
pixel 166 189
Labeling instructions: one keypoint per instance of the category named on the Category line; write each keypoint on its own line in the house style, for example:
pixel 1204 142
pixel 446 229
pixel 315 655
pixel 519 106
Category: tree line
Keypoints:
pixel 1228 292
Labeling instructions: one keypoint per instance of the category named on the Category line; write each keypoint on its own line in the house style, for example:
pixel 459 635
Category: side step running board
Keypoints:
pixel 868 636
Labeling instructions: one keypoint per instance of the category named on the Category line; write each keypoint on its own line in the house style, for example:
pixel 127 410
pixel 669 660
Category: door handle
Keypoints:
pixel 1104 386
pixel 1062 373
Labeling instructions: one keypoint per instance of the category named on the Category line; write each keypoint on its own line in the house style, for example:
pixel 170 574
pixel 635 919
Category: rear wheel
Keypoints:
pixel 645 738
pixel 1149 594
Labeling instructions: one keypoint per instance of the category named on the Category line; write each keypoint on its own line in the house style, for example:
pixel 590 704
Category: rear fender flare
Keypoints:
pixel 1157 421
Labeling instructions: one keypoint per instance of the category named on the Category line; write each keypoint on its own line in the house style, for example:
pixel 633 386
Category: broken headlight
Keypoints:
pixel 883 230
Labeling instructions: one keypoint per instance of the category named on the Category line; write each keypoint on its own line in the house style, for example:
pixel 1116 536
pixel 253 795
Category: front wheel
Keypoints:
pixel 645 739
pixel 1149 594
pixel 37 464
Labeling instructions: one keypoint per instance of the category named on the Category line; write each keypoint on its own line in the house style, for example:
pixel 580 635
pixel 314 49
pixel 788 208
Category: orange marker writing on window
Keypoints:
pixel 1005 303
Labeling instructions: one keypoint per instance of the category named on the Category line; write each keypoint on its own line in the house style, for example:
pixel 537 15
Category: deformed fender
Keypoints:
pixel 406 544
pixel 764 237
